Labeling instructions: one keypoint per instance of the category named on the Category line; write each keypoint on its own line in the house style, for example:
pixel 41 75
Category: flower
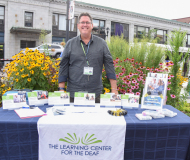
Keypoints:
pixel 168 89
pixel 172 95
pixel 29 79
pixel 161 64
pixel 138 93
pixel 16 80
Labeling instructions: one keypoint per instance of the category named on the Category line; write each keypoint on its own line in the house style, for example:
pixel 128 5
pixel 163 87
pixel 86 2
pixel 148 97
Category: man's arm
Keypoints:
pixel 61 85
pixel 113 83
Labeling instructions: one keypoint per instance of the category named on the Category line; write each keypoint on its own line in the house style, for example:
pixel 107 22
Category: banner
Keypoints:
pixel 82 136
pixel 71 9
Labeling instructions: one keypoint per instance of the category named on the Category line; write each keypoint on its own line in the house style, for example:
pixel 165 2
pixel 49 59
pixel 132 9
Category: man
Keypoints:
pixel 82 62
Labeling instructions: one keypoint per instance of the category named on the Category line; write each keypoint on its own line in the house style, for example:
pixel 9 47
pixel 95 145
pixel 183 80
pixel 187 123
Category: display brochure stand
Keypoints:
pixel 110 100
pixel 37 98
pixel 82 99
pixel 154 92
pixel 59 98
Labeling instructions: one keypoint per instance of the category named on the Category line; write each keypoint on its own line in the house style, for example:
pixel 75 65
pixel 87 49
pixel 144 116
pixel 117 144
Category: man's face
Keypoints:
pixel 86 28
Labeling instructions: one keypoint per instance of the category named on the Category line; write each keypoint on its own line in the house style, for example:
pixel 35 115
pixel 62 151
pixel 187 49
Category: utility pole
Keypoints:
pixel 67 22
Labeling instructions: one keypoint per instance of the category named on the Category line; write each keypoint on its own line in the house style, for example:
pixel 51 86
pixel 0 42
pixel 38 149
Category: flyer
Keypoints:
pixel 110 100
pixel 37 98
pixel 58 98
pixel 84 99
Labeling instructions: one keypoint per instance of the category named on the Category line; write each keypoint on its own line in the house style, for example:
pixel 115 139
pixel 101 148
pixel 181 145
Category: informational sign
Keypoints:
pixel 71 9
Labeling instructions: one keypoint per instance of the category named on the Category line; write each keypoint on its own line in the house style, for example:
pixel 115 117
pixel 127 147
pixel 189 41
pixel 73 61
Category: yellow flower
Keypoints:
pixel 29 79
pixel 53 80
pixel 3 85
pixel 44 74
pixel 42 68
pixel 22 70
pixel 22 75
pixel 25 63
pixel 16 80
pixel 9 89
pixel 17 73
pixel 32 72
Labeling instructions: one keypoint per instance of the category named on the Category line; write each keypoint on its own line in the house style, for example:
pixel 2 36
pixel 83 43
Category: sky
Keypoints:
pixel 167 9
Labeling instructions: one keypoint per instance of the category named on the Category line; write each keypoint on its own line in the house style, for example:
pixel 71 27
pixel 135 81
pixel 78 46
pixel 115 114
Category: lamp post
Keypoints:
pixel 67 21
pixel 107 31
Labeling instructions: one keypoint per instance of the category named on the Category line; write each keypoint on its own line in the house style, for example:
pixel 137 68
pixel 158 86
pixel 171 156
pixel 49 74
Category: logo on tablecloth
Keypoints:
pixel 87 140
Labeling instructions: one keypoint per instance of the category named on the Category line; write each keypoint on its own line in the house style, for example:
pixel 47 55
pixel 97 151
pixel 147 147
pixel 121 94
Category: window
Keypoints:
pixel 29 44
pixel 55 19
pixel 1 15
pixel 188 40
pixel 98 27
pixel 140 32
pixel 60 21
pixel 28 19
pixel 119 29
pixel 161 36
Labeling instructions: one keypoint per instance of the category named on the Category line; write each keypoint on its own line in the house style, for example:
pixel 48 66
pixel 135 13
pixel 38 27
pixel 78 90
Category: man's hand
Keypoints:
pixel 113 83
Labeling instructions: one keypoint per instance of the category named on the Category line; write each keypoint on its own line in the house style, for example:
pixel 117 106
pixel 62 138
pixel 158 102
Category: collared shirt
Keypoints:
pixel 74 60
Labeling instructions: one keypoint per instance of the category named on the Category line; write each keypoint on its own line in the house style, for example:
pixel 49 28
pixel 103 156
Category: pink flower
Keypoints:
pixel 128 77
pixel 171 63
pixel 138 93
pixel 172 75
pixel 136 87
pixel 117 76
pixel 123 85
pixel 132 87
pixel 169 77
pixel 139 79
pixel 172 95
pixel 136 84
pixel 169 82
pixel 121 74
pixel 128 82
pixel 134 81
pixel 168 89
pixel 161 64
pixel 129 85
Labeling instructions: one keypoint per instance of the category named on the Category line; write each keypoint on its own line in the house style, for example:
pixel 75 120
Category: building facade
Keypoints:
pixel 22 21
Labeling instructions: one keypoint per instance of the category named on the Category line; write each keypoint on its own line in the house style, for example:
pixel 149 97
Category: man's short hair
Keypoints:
pixel 85 14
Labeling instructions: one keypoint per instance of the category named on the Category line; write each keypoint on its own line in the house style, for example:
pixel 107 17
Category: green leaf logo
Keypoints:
pixel 74 140
pixel 90 140
pixel 71 139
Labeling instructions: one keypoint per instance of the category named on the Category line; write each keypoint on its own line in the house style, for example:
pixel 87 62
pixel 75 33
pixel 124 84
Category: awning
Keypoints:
pixel 27 30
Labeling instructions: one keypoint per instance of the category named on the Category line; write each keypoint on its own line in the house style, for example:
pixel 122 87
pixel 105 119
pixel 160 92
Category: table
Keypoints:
pixel 159 139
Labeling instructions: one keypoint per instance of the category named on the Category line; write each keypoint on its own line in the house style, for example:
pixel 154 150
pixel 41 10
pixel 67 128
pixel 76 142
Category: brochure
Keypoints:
pixel 13 101
pixel 110 100
pixel 130 101
pixel 59 98
pixel 37 97
pixel 84 99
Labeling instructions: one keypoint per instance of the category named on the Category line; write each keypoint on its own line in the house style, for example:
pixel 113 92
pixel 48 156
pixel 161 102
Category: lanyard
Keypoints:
pixel 85 52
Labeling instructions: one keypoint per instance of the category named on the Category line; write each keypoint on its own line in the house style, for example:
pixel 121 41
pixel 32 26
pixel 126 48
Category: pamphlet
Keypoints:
pixel 59 98
pixel 37 97
pixel 110 100
pixel 13 101
pixel 84 99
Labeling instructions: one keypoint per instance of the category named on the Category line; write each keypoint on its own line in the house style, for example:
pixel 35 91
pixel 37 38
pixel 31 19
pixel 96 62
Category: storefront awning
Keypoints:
pixel 27 30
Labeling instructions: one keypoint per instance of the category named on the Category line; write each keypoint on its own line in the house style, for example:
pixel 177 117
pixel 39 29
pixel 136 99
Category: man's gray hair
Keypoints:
pixel 85 14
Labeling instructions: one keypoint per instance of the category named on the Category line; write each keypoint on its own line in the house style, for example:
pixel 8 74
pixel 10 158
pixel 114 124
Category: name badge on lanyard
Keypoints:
pixel 88 71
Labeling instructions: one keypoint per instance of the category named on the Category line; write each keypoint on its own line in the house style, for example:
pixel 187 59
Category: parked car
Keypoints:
pixel 53 50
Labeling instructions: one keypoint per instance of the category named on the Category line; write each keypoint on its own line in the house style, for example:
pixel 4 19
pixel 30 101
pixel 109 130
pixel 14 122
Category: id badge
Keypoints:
pixel 88 71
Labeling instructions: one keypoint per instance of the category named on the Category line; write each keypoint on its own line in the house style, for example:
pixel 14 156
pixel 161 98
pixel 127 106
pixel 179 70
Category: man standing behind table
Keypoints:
pixel 83 60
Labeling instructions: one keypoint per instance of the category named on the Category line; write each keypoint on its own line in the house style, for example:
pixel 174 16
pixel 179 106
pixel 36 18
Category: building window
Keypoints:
pixel 119 29
pixel 140 32
pixel 161 36
pixel 28 19
pixel 60 21
pixel 188 40
pixel 29 44
pixel 99 28
pixel 1 15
